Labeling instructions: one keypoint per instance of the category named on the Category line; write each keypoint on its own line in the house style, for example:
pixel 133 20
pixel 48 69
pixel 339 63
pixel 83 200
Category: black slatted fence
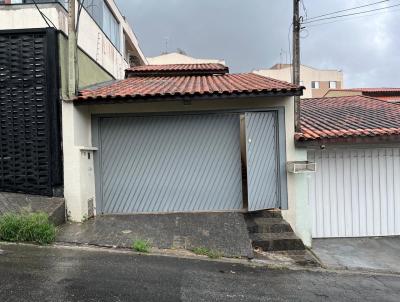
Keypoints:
pixel 30 142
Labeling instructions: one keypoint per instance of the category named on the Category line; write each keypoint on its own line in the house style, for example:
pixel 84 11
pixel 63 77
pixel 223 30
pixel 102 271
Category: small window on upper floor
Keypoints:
pixel 332 85
pixel 315 85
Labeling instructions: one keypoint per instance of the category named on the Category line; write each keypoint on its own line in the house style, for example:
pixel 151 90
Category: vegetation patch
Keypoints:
pixel 141 246
pixel 32 227
pixel 206 252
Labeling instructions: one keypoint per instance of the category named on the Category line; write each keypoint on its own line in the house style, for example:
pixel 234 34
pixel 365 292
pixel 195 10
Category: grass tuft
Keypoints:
pixel 141 246
pixel 32 227
pixel 206 252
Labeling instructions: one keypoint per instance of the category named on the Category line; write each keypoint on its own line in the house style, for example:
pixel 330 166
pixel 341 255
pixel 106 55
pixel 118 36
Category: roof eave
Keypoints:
pixel 377 139
pixel 80 101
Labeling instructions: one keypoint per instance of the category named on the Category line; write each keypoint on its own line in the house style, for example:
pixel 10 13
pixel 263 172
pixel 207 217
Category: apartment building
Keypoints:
pixel 316 81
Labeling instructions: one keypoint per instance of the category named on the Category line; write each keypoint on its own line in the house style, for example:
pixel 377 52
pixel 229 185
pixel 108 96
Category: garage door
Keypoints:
pixel 170 163
pixel 355 192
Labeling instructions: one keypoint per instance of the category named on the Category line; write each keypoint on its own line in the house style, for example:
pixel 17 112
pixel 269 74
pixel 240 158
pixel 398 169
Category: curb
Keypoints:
pixel 190 256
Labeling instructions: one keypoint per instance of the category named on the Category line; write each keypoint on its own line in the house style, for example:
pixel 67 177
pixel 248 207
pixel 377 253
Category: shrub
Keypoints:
pixel 141 246
pixel 206 252
pixel 33 227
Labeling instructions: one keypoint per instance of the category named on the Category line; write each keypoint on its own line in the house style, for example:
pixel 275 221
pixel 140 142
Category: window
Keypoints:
pixel 102 15
pixel 332 84
pixel 95 10
pixel 315 85
pixel 111 27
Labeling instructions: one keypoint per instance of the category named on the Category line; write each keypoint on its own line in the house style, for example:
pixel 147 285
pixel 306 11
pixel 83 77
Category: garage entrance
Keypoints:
pixel 355 192
pixel 185 163
pixel 170 163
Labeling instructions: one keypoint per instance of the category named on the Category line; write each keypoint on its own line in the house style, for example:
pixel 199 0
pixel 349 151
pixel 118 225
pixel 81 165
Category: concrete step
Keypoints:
pixel 268 225
pixel 276 241
pixel 275 213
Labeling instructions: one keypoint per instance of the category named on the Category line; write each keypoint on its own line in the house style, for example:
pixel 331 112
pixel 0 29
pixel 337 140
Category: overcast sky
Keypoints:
pixel 251 34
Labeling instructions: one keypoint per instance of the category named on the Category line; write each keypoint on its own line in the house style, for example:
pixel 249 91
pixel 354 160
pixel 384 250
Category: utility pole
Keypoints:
pixel 296 60
pixel 72 50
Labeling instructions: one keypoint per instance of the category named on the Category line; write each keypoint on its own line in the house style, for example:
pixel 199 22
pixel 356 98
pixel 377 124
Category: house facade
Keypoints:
pixel 355 143
pixel 316 81
pixel 184 138
pixel 34 81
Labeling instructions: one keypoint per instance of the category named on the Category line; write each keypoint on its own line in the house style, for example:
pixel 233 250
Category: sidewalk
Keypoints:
pixel 225 233
pixel 380 254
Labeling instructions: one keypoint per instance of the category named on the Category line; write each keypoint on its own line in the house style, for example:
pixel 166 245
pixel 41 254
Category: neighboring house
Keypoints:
pixel 391 95
pixel 316 81
pixel 177 138
pixel 179 58
pixel 355 142
pixel 34 80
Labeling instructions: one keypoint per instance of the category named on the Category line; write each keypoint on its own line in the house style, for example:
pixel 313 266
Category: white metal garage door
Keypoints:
pixel 169 163
pixel 355 192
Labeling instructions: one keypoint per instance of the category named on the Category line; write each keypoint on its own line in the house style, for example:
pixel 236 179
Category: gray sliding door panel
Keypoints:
pixel 262 160
pixel 170 163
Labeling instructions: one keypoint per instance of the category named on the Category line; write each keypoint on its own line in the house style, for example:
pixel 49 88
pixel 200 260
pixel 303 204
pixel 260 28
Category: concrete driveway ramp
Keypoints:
pixel 225 233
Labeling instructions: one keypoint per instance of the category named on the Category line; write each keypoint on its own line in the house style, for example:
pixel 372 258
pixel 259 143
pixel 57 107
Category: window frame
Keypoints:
pixel 315 85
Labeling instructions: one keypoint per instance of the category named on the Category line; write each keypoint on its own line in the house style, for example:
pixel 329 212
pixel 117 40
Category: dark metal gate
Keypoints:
pixel 30 143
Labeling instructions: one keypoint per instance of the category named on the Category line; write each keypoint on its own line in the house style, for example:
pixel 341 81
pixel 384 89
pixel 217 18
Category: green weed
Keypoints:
pixel 141 246
pixel 33 227
pixel 206 252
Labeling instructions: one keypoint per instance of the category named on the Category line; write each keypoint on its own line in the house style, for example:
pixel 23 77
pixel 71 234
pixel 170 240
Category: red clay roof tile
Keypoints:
pixel 347 116
pixel 148 87
pixel 177 69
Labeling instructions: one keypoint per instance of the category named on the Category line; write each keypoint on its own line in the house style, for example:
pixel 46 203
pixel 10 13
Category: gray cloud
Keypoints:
pixel 250 34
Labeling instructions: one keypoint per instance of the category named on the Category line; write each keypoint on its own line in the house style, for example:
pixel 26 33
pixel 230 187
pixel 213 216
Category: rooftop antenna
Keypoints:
pixel 166 39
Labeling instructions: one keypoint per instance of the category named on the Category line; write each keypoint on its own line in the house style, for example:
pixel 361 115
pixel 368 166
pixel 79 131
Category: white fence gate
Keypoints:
pixel 355 192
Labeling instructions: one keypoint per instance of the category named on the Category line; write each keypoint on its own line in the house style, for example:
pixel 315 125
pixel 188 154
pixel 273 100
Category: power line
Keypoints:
pixel 352 14
pixel 45 18
pixel 349 19
pixel 345 10
pixel 305 8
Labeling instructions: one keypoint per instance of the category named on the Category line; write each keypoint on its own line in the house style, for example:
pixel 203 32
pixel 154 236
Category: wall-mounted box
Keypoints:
pixel 301 167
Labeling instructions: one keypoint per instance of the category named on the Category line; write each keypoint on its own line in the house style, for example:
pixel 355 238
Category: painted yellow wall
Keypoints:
pixel 89 72
pixel 338 93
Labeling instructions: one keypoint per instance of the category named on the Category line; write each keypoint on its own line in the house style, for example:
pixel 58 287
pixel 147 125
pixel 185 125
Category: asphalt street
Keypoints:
pixel 31 273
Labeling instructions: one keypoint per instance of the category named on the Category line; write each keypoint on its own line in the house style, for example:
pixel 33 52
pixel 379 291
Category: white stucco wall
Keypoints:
pixel 79 182
pixel 177 58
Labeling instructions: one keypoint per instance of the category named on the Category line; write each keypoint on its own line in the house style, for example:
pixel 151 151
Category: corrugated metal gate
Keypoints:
pixel 355 192
pixel 30 147
pixel 170 163
pixel 262 160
